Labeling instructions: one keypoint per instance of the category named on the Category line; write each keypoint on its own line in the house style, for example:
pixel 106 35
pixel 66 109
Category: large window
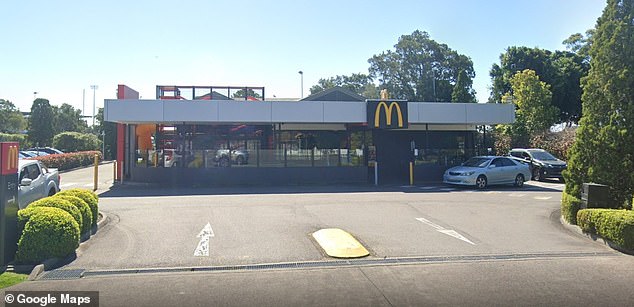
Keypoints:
pixel 241 145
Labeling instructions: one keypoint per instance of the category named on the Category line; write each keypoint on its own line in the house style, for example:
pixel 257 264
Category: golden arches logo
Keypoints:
pixel 388 114
pixel 12 159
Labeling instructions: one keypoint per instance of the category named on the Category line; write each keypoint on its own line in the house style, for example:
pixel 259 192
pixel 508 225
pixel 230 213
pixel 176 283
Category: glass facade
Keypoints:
pixel 240 145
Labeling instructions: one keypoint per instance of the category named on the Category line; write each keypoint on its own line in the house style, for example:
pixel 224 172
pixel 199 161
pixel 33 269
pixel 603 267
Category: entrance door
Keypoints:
pixel 393 153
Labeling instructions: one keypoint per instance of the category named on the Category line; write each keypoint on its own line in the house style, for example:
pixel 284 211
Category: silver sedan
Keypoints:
pixel 487 170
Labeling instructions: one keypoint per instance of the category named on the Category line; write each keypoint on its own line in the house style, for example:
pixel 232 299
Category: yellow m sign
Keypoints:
pixel 9 154
pixel 398 108
pixel 12 160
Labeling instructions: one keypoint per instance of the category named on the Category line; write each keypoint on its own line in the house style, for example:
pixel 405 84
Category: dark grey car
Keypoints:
pixel 543 164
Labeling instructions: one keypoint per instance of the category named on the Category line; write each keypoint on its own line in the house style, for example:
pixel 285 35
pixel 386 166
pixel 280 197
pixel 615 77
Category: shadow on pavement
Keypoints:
pixel 133 190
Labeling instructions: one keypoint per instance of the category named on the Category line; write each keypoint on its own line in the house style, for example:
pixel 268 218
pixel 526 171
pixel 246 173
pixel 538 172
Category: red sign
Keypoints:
pixel 9 158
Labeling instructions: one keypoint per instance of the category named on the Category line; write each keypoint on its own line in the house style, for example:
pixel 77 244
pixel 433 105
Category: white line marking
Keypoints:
pixel 65 185
pixel 441 229
pixel 517 195
pixel 203 245
pixel 542 197
pixel 427 188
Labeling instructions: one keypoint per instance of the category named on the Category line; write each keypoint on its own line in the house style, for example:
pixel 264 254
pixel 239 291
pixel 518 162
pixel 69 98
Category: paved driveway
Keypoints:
pixel 260 225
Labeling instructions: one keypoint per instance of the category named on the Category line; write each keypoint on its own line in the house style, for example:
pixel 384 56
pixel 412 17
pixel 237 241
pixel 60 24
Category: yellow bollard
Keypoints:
pixel 96 173
pixel 411 173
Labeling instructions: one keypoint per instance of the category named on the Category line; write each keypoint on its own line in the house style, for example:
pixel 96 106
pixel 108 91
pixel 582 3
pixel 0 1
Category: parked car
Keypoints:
pixel 48 150
pixel 35 181
pixel 36 153
pixel 542 164
pixel 23 155
pixel 482 171
pixel 236 156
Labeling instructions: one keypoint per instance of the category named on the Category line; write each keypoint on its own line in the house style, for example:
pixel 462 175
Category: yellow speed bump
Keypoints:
pixel 339 244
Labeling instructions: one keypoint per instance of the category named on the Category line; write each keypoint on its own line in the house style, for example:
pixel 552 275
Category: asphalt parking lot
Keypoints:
pixel 429 245
pixel 159 228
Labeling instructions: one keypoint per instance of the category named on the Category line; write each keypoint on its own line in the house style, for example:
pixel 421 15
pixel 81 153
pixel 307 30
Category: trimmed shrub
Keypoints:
pixel 89 197
pixel 570 205
pixel 61 204
pixel 69 160
pixel 75 141
pixel 47 232
pixel 20 138
pixel 615 225
pixel 86 213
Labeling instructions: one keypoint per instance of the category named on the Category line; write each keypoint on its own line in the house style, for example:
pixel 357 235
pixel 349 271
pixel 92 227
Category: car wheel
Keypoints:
pixel 51 192
pixel 481 182
pixel 537 174
pixel 239 160
pixel 224 162
pixel 519 180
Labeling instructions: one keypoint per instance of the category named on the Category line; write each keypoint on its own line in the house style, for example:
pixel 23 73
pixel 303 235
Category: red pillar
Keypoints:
pixel 123 92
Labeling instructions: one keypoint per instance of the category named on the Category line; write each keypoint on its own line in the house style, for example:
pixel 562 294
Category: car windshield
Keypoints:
pixel 476 162
pixel 543 156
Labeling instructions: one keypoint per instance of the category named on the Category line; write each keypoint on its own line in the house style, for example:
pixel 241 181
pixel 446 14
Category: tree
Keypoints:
pixel 580 44
pixel 361 84
pixel 562 70
pixel 462 90
pixel 107 131
pixel 11 119
pixel 68 119
pixel 41 123
pixel 421 69
pixel 533 100
pixel 534 114
pixel 250 93
pixel 603 151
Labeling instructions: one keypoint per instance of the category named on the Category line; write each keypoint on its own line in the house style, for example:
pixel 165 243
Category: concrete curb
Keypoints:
pixel 52 263
pixel 594 237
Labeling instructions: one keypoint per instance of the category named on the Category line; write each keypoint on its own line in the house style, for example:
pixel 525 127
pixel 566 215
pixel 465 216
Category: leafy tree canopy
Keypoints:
pixel 421 69
pixel 604 146
pixel 68 119
pixel 562 70
pixel 250 93
pixel 41 123
pixel 361 84
pixel 11 119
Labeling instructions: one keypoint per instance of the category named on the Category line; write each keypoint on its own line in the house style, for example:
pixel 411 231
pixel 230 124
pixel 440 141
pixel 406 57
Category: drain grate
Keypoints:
pixel 62 274
pixel 340 263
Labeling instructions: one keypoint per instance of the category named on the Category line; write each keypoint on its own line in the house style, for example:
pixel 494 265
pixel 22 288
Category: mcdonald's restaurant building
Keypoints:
pixel 213 136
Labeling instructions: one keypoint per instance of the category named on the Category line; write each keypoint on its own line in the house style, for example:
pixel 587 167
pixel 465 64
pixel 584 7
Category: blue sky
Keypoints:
pixel 59 48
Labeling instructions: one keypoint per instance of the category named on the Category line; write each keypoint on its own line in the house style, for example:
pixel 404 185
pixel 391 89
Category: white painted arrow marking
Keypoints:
pixel 441 229
pixel 203 245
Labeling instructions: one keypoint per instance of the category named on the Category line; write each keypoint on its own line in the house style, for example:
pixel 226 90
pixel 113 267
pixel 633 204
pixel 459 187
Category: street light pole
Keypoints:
pixel 433 70
pixel 94 89
pixel 301 73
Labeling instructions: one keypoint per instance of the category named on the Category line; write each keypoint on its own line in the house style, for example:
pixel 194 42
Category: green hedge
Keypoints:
pixel 69 160
pixel 570 205
pixel 20 138
pixel 46 232
pixel 61 204
pixel 89 197
pixel 615 225
pixel 76 141
pixel 86 213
